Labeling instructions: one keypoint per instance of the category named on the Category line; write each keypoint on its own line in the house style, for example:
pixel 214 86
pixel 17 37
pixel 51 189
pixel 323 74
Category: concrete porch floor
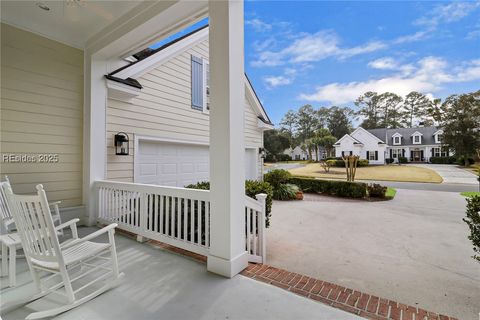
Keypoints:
pixel 159 284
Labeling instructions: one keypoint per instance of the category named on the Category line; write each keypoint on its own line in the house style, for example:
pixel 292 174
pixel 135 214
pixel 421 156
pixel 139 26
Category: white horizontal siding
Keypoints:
pixel 42 113
pixel 163 109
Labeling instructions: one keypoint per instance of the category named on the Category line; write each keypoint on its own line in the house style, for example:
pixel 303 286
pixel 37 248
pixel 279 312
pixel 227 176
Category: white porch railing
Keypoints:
pixel 176 216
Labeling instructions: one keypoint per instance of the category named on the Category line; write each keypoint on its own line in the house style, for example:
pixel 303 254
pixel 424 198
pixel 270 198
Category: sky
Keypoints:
pixel 328 53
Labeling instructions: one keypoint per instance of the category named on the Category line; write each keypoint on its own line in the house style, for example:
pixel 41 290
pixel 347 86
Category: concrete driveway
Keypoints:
pixel 451 173
pixel 413 249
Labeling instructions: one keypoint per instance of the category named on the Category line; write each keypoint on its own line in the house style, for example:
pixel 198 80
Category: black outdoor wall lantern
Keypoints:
pixel 122 144
pixel 261 152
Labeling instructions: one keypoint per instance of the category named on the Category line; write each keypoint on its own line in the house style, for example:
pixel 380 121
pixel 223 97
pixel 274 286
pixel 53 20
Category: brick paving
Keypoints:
pixel 353 301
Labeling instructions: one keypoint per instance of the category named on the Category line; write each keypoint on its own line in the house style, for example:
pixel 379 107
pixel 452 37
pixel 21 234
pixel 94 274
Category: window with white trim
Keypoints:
pixel 417 139
pixel 397 153
pixel 200 83
pixel 372 155
pixel 438 138
pixel 439 152
pixel 206 81
pixel 397 140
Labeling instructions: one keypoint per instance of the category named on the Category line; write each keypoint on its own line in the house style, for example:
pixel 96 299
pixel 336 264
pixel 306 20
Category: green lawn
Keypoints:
pixel 470 194
pixel 391 192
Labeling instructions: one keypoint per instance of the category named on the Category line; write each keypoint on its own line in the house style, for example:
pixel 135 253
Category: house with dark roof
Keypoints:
pixel 376 145
pixel 161 99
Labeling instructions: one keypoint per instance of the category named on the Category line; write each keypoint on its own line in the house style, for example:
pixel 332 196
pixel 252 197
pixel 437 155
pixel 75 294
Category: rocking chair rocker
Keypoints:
pixel 43 252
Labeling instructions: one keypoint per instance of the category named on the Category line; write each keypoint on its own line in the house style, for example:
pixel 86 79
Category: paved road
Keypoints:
pixel 412 249
pixel 284 166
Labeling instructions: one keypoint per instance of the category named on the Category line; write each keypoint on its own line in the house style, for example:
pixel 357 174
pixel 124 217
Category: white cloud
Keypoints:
pixel 417 36
pixel 288 77
pixel 258 25
pixel 314 47
pixel 448 13
pixel 275 81
pixel 386 63
pixel 427 75
pixel 474 34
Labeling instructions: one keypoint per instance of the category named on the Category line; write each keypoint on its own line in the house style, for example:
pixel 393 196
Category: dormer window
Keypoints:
pixel 397 139
pixel 438 136
pixel 417 138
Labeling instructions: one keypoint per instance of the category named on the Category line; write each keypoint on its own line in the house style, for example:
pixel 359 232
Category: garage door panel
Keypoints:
pixel 149 148
pixel 169 168
pixel 175 164
pixel 188 168
pixel 203 167
pixel 169 149
pixel 147 169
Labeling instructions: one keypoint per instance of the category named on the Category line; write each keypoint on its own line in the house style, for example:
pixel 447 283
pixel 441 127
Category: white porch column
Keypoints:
pixel 94 131
pixel 227 255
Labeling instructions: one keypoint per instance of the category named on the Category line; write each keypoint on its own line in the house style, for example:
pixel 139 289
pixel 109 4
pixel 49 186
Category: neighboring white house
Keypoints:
pixel 415 144
pixel 361 143
pixel 161 100
pixel 297 153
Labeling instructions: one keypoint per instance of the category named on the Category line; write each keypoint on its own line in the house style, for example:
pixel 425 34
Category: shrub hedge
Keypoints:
pixel 389 160
pixel 461 160
pixel 473 221
pixel 277 177
pixel 402 160
pixel 443 160
pixel 330 187
pixel 376 190
pixel 252 188
pixel 277 157
pixel 341 164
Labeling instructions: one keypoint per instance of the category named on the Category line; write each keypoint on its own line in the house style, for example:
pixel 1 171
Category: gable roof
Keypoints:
pixel 148 59
pixel 339 141
pixel 379 140
pixel 427 132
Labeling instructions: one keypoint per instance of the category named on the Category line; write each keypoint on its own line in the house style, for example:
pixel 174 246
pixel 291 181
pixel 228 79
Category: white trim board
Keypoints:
pixel 144 66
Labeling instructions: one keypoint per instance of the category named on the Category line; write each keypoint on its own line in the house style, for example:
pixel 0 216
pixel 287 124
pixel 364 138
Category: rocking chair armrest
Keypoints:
pixel 110 228
pixel 67 224
pixel 73 226
pixel 54 203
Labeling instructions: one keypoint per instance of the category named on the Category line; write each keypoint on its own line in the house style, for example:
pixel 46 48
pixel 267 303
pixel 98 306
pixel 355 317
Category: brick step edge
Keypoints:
pixel 353 301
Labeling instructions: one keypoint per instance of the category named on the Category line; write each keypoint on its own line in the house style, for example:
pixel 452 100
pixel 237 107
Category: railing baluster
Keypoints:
pixel 207 224
pixel 161 215
pixel 192 220
pixel 199 220
pixel 185 218
pixel 255 232
pixel 248 230
pixel 155 213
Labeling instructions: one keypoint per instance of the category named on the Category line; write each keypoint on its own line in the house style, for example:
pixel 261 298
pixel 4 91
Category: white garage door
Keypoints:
pixel 178 164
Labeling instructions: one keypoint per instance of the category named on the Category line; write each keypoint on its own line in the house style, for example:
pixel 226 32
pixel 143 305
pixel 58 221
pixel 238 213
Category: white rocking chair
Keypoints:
pixel 43 252
pixel 10 240
pixel 6 216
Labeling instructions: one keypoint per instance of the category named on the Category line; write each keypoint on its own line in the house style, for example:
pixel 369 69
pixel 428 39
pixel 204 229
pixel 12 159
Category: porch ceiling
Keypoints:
pixel 71 22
